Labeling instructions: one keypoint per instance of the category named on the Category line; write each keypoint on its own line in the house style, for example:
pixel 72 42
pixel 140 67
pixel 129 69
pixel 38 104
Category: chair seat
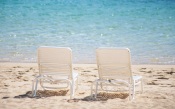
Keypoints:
pixel 59 77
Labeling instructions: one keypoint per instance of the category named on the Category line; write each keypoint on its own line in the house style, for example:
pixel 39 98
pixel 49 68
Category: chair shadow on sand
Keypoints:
pixel 43 93
pixel 102 96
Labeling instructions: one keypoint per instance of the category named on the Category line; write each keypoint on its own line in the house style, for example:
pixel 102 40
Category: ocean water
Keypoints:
pixel 146 27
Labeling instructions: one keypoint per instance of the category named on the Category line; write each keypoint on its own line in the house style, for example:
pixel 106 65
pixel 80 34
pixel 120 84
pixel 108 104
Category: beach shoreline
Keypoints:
pixel 16 81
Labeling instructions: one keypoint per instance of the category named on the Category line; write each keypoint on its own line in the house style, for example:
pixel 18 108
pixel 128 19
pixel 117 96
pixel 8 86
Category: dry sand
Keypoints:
pixel 16 84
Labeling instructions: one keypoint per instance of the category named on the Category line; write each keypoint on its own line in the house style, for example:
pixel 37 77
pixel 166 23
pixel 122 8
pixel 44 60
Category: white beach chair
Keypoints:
pixel 55 66
pixel 114 68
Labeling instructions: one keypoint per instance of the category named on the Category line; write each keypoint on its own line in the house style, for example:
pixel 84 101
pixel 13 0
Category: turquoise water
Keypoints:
pixel 147 27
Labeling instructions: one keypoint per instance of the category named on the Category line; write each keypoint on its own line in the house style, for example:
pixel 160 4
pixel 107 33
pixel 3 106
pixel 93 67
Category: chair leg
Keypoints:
pixel 41 84
pixel 71 90
pixel 130 93
pixel 77 83
pixel 141 85
pixel 96 89
pixel 92 89
pixel 35 88
pixel 73 87
pixel 133 90
pixel 101 85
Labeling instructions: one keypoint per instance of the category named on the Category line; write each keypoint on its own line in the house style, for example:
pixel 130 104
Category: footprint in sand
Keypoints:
pixel 158 72
pixel 157 75
pixel 149 72
pixel 86 71
pixel 19 77
pixel 160 97
pixel 5 97
pixel 81 93
pixel 27 71
pixel 152 83
pixel 6 85
pixel 155 80
pixel 162 78
pixel 143 68
pixel 17 67
pixel 25 79
pixel 169 73
pixel 89 81
pixel 94 75
pixel 34 74
pixel 172 85
pixel 9 71
pixel 21 73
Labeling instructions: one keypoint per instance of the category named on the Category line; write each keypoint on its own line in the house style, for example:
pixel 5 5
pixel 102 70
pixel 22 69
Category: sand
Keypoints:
pixel 16 85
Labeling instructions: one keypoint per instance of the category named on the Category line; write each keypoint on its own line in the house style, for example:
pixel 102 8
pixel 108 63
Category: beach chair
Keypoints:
pixel 55 67
pixel 114 68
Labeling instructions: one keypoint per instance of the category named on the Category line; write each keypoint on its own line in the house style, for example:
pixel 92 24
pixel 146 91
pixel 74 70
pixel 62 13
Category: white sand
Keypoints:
pixel 16 81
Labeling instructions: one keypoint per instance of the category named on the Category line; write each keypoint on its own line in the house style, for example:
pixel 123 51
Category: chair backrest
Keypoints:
pixel 113 63
pixel 55 60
